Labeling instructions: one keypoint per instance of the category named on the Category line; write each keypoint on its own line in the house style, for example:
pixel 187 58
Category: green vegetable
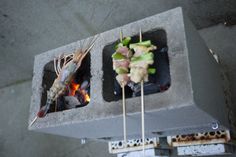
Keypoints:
pixel 144 57
pixel 151 70
pixel 146 43
pixel 121 70
pixel 118 56
pixel 118 45
pixel 126 41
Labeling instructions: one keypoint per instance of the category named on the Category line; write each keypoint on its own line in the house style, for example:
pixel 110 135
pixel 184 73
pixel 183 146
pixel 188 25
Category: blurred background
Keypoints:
pixel 31 27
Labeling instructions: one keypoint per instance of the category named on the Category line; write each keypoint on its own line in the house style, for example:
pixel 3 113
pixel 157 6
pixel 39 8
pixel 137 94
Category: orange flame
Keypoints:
pixel 73 88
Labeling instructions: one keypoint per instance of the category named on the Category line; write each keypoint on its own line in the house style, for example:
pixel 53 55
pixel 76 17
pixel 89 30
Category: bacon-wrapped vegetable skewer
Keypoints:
pixel 139 70
pixel 121 61
pixel 142 58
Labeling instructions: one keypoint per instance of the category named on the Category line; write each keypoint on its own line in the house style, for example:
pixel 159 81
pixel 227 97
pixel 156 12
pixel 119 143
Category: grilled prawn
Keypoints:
pixel 65 73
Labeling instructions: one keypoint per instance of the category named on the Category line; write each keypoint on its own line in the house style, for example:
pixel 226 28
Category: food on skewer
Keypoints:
pixel 142 58
pixel 65 75
pixel 121 61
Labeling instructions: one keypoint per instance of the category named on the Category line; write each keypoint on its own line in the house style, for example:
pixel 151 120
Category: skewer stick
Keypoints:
pixel 142 105
pixel 123 103
pixel 142 117
pixel 124 115
pixel 140 35
pixel 34 120
pixel 121 36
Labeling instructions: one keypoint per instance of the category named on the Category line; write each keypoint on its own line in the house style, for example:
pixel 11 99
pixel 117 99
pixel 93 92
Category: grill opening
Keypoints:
pixel 76 95
pixel 158 82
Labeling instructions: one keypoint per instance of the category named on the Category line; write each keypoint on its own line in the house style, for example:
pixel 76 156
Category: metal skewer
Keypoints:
pixel 142 105
pixel 123 102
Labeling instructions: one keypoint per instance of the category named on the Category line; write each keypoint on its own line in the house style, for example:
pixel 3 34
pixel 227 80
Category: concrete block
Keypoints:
pixel 205 150
pixel 192 103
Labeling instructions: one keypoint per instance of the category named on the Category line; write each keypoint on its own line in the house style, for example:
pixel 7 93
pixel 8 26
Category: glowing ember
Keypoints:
pixel 87 98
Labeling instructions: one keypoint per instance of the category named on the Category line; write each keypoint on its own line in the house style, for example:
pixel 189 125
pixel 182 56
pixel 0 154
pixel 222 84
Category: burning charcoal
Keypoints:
pixel 148 88
pixel 80 98
pixel 60 103
pixel 84 85
pixel 134 86
pixel 71 102
pixel 83 97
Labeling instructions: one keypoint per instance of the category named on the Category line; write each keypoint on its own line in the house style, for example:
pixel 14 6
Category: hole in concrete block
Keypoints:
pixel 71 98
pixel 158 82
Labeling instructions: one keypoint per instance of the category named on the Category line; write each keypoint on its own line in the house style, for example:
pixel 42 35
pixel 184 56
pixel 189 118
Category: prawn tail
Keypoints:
pixel 81 53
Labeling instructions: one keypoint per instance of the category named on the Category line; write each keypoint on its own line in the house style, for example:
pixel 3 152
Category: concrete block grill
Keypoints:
pixel 193 101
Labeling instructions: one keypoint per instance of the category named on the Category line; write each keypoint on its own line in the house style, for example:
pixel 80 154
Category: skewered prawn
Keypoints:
pixel 65 74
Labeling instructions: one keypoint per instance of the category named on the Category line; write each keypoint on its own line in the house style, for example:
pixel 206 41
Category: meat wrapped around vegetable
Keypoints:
pixel 142 58
pixel 121 61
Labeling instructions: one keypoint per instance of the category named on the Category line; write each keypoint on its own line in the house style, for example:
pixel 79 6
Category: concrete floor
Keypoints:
pixel 29 27
pixel 16 140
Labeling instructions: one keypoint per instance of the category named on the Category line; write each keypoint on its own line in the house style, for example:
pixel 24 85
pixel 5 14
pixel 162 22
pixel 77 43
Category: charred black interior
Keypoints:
pixel 66 102
pixel 158 82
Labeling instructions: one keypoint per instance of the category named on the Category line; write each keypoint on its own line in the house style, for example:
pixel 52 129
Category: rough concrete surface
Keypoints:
pixel 31 27
pixel 221 40
pixel 16 140
pixel 186 97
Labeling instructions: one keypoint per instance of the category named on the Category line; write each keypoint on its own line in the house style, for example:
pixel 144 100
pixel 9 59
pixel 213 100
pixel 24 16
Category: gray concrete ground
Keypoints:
pixel 30 27
pixel 16 140
pixel 222 41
